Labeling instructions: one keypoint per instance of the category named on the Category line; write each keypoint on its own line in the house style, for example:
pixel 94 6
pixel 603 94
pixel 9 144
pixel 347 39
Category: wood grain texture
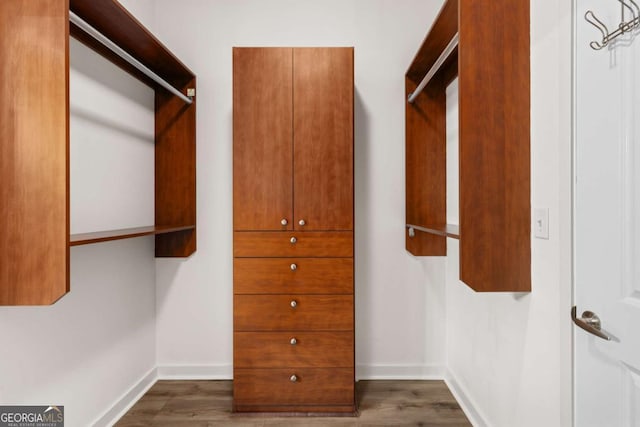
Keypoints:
pixel 437 39
pixel 175 172
pixel 274 313
pixel 262 138
pixel 380 403
pixel 275 276
pixel 495 211
pixel 337 244
pixel 126 233
pixel 34 166
pixel 114 21
pixel 312 349
pixel 323 88
pixel 426 167
pixel 315 386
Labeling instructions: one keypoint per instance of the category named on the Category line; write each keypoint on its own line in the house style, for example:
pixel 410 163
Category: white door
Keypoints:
pixel 607 221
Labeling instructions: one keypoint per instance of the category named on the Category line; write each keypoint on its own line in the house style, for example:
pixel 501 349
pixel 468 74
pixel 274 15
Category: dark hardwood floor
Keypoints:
pixel 381 403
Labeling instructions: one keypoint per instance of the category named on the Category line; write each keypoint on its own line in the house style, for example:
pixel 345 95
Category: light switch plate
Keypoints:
pixel 541 223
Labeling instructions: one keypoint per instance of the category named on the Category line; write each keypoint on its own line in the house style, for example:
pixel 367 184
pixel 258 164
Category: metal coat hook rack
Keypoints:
pixel 629 9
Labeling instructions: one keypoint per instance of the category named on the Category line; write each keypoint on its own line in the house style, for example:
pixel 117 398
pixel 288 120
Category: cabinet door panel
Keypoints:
pixel 293 275
pixel 262 139
pixel 323 138
pixel 265 387
pixel 308 349
pixel 254 313
pixel 268 244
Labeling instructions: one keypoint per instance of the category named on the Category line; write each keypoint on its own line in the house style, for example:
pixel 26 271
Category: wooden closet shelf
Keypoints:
pixel 443 30
pixel 126 233
pixel 111 19
pixel 449 230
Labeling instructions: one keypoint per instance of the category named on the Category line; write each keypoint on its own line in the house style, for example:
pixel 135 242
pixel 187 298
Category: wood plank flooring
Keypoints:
pixel 381 403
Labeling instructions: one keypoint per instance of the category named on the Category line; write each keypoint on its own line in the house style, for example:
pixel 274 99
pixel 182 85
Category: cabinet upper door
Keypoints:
pixel 262 139
pixel 323 138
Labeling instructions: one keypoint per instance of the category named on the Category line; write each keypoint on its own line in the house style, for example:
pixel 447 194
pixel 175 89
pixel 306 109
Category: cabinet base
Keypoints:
pixel 297 411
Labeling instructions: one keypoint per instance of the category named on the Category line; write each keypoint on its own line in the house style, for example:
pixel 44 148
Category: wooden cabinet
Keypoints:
pixel 262 139
pixel 293 139
pixel 492 66
pixel 323 139
pixel 293 230
pixel 34 148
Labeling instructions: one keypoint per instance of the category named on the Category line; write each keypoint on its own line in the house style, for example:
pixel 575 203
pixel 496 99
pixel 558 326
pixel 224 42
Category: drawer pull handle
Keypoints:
pixel 293 378
pixel 294 267
pixel 293 240
pixel 293 341
pixel 284 221
pixel 302 222
pixel 294 304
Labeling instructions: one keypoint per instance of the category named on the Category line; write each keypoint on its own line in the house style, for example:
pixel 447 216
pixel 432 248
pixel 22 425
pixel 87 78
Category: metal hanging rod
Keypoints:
pixel 446 231
pixel 436 66
pixel 75 19
pixel 628 6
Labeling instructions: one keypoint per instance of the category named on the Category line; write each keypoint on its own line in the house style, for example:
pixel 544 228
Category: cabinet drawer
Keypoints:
pixel 293 275
pixel 259 244
pixel 333 386
pixel 293 349
pixel 276 312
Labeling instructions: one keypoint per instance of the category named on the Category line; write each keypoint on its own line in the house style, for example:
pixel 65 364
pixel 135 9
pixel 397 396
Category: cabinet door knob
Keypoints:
pixel 293 240
pixel 294 304
pixel 284 221
pixel 302 222
pixel 293 341
pixel 294 267
pixel 293 378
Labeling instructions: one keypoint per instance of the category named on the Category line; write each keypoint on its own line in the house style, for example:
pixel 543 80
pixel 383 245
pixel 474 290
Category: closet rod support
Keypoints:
pixel 88 29
pixel 436 66
pixel 449 230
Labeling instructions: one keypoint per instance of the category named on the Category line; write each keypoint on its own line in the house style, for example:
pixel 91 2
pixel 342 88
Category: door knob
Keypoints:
pixel 294 267
pixel 284 221
pixel 590 322
pixel 301 222
pixel 293 378
pixel 294 304
pixel 293 341
pixel 293 240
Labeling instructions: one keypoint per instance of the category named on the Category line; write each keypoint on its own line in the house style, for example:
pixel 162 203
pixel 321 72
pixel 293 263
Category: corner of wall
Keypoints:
pixel 128 399
pixel 464 400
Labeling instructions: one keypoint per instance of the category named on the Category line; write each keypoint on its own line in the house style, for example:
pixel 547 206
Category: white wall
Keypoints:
pixel 399 299
pixel 509 355
pixel 92 346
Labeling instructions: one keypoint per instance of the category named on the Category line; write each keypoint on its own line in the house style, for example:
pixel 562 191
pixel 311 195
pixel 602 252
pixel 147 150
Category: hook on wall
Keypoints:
pixel 625 26
pixel 593 20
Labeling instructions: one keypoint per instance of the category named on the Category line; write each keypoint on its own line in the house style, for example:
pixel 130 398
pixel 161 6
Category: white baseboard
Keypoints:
pixel 465 402
pixel 195 372
pixel 400 372
pixel 128 399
